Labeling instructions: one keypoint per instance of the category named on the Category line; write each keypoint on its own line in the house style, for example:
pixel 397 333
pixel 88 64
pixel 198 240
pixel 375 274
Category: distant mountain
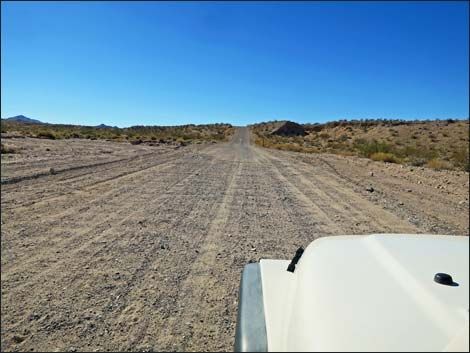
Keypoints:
pixel 24 119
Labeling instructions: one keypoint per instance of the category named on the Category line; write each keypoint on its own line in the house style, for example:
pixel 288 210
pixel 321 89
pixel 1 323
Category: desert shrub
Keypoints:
pixel 416 161
pixel 439 164
pixel 384 157
pixel 136 141
pixel 6 149
pixel 367 148
pixel 414 155
pixel 47 134
pixel 289 147
pixel 460 158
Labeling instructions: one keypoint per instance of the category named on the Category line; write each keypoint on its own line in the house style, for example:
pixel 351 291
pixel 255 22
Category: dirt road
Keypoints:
pixel 141 248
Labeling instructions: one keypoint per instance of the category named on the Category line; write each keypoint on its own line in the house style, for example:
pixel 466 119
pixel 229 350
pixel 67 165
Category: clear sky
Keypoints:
pixel 170 63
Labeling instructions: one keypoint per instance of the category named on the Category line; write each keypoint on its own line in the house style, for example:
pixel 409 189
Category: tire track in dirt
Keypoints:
pixel 16 180
pixel 181 194
pixel 406 194
pixel 81 200
pixel 121 216
pixel 342 202
pixel 316 211
pixel 65 155
pixel 172 269
pixel 63 183
pixel 111 190
pixel 89 185
pixel 200 277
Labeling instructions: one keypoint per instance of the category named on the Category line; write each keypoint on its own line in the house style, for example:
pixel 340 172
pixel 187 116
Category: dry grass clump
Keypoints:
pixel 439 164
pixel 384 157
pixel 7 149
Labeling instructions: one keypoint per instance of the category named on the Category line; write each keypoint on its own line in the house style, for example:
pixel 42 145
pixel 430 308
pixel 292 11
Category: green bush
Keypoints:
pixel 461 159
pixel 414 155
pixel 367 148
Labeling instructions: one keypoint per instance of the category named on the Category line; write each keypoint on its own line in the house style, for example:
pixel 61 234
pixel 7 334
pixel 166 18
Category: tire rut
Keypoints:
pixel 342 202
pixel 104 225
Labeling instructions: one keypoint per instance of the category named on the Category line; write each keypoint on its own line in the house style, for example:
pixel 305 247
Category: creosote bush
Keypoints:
pixel 384 157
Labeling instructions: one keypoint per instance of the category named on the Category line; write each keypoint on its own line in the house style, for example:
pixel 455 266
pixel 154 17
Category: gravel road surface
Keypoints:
pixel 141 248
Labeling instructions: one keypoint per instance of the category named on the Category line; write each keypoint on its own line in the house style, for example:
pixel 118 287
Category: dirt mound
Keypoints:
pixel 289 128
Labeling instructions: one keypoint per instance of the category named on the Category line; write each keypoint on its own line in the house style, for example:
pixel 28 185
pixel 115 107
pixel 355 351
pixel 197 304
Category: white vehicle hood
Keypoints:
pixel 370 293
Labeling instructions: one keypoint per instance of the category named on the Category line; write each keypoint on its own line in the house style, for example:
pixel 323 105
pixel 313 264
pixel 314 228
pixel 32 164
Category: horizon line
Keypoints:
pixel 254 123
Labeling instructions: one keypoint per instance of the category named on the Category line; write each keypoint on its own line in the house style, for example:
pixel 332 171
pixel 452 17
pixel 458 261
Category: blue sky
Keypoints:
pixel 170 63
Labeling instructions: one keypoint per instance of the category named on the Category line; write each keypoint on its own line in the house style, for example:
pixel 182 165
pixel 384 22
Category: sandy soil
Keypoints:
pixel 140 248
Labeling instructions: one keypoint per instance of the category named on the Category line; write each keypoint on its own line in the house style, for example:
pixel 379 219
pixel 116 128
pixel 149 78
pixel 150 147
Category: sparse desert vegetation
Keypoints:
pixel 6 149
pixel 183 134
pixel 130 247
pixel 438 144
